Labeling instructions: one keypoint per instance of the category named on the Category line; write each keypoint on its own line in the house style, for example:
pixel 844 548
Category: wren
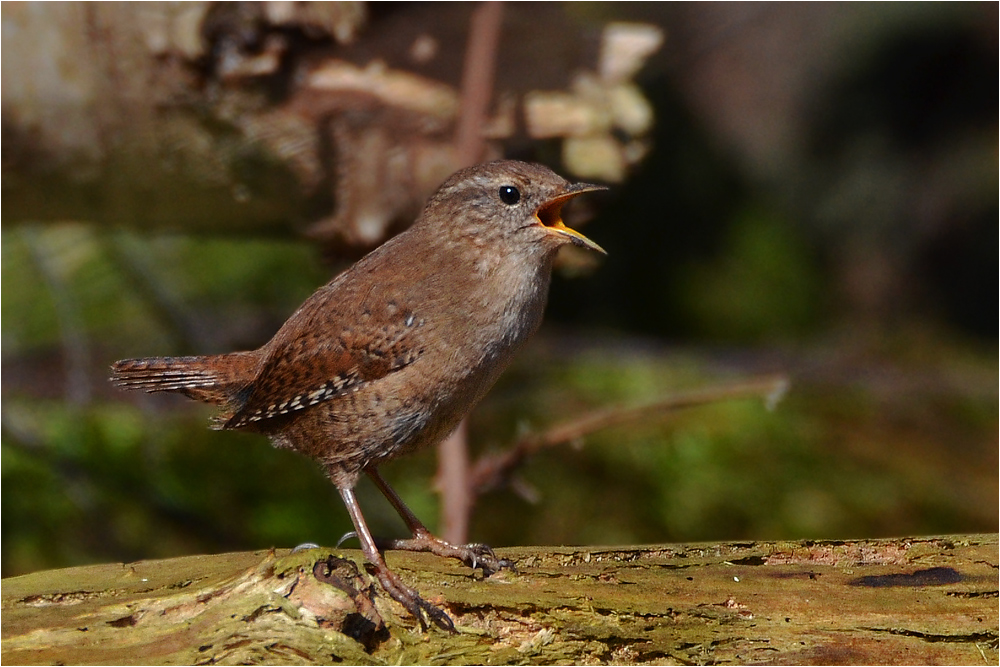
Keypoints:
pixel 390 355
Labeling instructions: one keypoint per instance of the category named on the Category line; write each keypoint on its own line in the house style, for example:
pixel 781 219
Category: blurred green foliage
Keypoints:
pixel 125 476
pixel 128 477
pixel 764 285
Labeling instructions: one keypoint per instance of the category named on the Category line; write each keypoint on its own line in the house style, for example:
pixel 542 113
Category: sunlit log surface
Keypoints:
pixel 929 600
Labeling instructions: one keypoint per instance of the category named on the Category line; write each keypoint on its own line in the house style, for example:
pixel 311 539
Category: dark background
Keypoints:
pixel 820 200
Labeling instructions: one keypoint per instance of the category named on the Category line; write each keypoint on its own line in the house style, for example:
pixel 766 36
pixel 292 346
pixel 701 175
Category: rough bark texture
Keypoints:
pixel 897 601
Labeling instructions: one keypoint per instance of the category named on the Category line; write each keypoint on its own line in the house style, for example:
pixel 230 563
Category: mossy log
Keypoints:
pixel 894 601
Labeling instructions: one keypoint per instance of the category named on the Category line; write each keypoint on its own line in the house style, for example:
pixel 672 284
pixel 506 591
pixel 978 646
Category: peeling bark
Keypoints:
pixel 896 601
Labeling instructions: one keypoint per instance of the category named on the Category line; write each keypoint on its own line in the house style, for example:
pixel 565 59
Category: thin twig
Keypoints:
pixel 493 470
pixel 453 485
pixel 477 81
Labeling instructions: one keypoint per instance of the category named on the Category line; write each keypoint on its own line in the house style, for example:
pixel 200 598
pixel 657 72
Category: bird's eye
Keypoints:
pixel 509 195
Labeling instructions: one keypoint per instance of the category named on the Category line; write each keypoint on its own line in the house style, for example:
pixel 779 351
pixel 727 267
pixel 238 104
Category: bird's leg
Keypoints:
pixel 474 555
pixel 390 581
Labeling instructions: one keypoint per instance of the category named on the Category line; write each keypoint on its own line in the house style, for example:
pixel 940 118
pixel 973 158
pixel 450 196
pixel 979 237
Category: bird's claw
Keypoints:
pixel 482 557
pixel 345 537
pixel 418 607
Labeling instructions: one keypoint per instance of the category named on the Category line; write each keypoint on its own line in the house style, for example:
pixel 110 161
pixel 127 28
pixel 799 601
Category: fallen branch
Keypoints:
pixel 915 600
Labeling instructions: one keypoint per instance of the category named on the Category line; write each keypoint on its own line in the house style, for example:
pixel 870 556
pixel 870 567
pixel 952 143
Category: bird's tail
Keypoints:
pixel 215 379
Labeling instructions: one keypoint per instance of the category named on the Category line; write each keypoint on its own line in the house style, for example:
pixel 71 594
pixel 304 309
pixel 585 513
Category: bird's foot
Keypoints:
pixel 418 607
pixel 476 556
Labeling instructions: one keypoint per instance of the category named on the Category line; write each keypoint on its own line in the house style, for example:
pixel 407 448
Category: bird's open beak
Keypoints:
pixel 549 215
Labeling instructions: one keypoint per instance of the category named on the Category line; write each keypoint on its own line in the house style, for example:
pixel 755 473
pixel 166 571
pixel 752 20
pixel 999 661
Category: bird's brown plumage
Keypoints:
pixel 393 352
